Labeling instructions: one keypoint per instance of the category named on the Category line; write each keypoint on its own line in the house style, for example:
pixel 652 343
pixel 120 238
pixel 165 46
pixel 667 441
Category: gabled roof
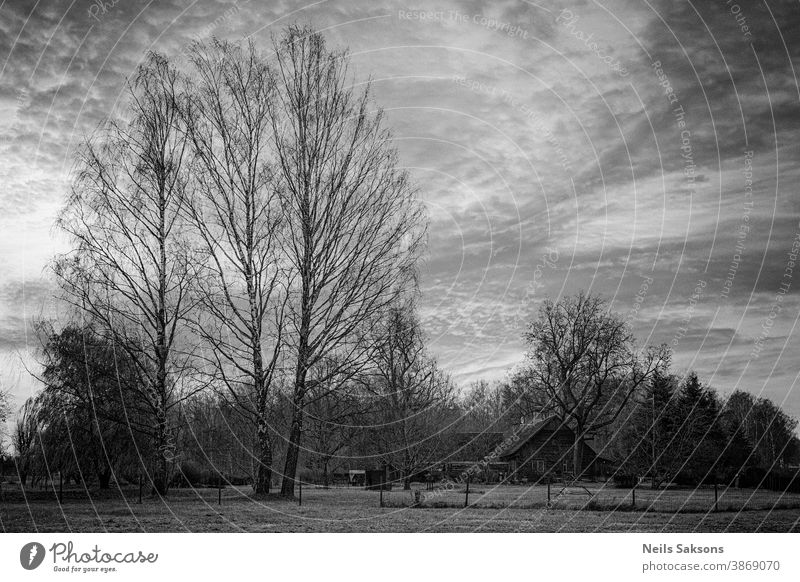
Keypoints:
pixel 531 429
pixel 525 434
pixel 598 455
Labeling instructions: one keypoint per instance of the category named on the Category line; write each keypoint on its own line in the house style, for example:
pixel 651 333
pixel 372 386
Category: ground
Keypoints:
pixel 493 509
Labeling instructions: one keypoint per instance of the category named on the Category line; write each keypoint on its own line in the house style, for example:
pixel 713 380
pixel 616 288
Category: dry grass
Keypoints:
pixel 606 497
pixel 347 510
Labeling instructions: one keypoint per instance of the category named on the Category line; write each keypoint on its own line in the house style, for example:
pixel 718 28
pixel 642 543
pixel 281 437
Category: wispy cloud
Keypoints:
pixel 524 137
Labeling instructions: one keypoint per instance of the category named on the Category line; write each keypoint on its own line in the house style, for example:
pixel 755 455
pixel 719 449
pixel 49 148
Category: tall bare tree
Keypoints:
pixel 582 365
pixel 354 228
pixel 129 266
pixel 5 414
pixel 413 395
pixel 236 212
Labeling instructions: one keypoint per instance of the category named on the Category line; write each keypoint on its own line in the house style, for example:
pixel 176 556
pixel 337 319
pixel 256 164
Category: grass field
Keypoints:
pixel 495 509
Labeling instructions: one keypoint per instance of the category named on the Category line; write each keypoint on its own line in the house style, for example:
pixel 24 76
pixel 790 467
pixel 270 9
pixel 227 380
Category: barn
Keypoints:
pixel 544 448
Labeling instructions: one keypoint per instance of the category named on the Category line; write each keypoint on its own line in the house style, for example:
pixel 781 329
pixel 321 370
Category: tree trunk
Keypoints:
pixel 292 451
pixel 577 455
pixel 264 472
pixel 298 402
pixel 104 477
pixel 164 456
pixel 325 477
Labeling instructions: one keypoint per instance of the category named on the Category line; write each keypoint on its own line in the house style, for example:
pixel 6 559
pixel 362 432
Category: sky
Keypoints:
pixel 646 151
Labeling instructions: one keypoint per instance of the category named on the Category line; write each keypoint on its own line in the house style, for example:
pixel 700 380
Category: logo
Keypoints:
pixel 31 555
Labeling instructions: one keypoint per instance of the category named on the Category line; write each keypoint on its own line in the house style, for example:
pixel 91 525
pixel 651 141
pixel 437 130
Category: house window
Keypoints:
pixel 565 466
pixel 538 466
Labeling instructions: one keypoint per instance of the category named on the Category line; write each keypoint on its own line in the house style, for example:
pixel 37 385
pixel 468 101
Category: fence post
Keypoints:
pixel 383 480
pixel 716 497
pixel 633 494
pixel 466 497
pixel 548 491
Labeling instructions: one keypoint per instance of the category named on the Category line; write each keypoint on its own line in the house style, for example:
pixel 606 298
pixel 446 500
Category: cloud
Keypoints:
pixel 524 142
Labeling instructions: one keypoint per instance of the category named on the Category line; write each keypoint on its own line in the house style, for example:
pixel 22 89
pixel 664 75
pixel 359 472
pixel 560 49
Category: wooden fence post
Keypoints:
pixel 466 497
pixel 383 480
pixel 548 491
pixel 633 495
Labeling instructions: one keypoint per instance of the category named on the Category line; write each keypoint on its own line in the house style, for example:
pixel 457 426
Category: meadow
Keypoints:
pixel 492 509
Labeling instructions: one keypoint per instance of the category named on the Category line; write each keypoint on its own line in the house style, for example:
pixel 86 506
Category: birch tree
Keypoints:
pixel 129 266
pixel 354 228
pixel 235 211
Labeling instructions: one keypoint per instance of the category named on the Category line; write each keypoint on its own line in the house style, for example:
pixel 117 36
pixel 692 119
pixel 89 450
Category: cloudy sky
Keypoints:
pixel 645 150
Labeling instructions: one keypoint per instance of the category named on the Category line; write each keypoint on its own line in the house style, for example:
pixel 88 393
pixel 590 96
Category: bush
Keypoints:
pixel 775 480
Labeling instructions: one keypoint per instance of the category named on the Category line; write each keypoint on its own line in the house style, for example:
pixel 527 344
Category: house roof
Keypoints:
pixel 598 455
pixel 531 429
pixel 527 432
pixel 470 446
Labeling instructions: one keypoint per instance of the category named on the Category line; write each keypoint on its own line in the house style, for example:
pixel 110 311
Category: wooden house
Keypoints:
pixel 544 448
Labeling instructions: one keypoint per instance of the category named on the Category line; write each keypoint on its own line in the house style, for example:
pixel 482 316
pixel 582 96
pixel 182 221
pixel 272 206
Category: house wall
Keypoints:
pixel 549 452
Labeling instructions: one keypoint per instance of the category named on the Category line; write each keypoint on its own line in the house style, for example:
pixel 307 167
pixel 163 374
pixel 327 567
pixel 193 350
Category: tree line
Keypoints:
pixel 583 367
pixel 400 410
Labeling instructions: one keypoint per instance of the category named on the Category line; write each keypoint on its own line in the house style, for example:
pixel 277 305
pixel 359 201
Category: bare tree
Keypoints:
pixel 5 413
pixel 413 396
pixel 129 267
pixel 484 407
pixel 582 365
pixel 336 417
pixel 353 226
pixel 236 212
pixel 24 439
